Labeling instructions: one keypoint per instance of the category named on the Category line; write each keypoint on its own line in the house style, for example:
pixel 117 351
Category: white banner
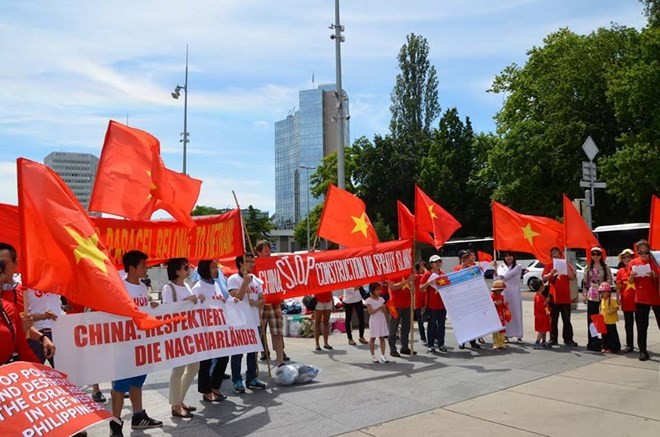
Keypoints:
pixel 469 305
pixel 96 347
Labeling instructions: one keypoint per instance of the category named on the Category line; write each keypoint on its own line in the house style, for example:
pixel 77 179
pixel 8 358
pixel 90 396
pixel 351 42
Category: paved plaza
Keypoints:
pixel 517 392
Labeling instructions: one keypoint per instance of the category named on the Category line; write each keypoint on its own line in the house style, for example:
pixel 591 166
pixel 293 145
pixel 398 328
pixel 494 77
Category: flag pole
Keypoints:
pixel 263 325
pixel 412 288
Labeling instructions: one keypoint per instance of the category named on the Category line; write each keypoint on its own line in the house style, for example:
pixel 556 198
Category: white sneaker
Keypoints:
pixel 383 359
pixel 374 359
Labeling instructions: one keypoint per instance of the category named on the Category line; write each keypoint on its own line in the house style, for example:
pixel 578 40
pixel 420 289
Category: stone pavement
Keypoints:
pixel 521 391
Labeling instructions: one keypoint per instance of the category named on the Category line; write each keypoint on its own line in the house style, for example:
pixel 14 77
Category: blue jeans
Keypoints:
pixel 237 360
pixel 436 327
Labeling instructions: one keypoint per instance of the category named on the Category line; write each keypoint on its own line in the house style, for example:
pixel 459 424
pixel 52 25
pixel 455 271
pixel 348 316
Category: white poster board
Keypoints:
pixel 95 346
pixel 469 304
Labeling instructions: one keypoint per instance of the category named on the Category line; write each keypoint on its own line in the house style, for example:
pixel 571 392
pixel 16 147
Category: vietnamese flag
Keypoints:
pixel 576 232
pixel 132 180
pixel 484 257
pixel 407 226
pixel 344 220
pixel 599 322
pixel 431 217
pixel 654 228
pixel 62 253
pixel 526 233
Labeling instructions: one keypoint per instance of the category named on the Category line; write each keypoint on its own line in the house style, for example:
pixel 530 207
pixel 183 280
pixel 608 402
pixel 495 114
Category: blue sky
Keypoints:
pixel 70 66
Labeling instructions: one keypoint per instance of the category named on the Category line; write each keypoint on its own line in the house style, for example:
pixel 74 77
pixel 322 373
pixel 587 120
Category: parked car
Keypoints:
pixel 533 270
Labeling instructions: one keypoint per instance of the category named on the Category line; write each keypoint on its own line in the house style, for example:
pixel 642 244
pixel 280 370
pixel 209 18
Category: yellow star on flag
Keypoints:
pixel 152 186
pixel 529 233
pixel 442 281
pixel 431 213
pixel 88 249
pixel 630 286
pixel 361 224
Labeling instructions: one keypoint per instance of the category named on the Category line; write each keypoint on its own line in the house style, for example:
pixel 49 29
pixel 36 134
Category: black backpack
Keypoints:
pixel 310 302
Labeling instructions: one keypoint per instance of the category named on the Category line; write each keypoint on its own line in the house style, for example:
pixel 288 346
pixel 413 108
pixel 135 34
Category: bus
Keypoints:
pixel 615 238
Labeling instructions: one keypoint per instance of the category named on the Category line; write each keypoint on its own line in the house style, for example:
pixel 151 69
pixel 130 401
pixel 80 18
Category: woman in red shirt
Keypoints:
pixel 625 295
pixel 644 274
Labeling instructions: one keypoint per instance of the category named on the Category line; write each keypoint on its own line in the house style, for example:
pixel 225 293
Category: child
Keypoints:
pixel 502 310
pixel 377 323
pixel 609 308
pixel 541 313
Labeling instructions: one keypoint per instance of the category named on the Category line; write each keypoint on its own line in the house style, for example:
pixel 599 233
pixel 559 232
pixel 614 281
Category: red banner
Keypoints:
pixel 317 272
pixel 36 400
pixel 212 237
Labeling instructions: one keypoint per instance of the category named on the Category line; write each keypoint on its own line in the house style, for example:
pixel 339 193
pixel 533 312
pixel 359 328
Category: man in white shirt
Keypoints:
pixel 135 266
pixel 245 287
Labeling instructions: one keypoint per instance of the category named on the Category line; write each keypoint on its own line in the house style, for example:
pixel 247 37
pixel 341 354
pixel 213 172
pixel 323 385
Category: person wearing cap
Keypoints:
pixel 609 308
pixel 647 295
pixel 435 307
pixel 625 295
pixel 560 303
pixel 595 274
pixel 502 311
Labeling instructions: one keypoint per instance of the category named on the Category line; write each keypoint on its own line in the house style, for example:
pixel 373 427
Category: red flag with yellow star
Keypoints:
pixel 407 226
pixel 526 233
pixel 431 217
pixel 344 220
pixel 132 180
pixel 61 251
pixel 654 228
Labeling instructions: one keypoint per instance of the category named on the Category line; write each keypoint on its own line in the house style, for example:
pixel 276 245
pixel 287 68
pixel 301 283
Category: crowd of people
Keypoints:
pixel 392 306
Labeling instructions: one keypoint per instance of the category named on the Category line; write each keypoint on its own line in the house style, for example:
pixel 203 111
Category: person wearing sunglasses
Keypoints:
pixel 595 274
pixel 644 273
pixel 177 291
pixel 625 295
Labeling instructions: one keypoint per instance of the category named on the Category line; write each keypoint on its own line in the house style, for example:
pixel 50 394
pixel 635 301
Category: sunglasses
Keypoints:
pixel 643 252
pixel 596 254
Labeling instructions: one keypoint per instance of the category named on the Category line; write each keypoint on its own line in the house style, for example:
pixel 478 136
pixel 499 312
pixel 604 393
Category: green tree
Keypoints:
pixel 258 226
pixel 652 12
pixel 300 230
pixel 557 99
pixel 205 210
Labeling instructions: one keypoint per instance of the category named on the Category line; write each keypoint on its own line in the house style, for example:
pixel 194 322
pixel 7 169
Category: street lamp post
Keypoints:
pixel 341 116
pixel 175 94
pixel 307 168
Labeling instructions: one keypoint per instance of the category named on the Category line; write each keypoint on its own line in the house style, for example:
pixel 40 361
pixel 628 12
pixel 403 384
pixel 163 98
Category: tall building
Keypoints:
pixel 77 170
pixel 302 139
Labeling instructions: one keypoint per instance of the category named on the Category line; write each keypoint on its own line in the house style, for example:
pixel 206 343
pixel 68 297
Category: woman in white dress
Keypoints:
pixel 509 271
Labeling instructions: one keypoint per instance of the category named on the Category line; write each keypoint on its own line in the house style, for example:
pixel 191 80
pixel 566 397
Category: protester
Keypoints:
pixel 560 290
pixel 44 308
pixel 609 308
pixel 400 296
pixel 353 302
pixel 420 302
pixel 647 296
pixel 245 287
pixel 209 381
pixel 595 274
pixel 509 271
pixel 625 295
pixel 435 307
pixel 13 342
pixel 502 311
pixel 542 319
pixel 322 313
pixel 271 314
pixel 135 266
pixel 377 322
pixel 467 259
pixel 11 292
pixel 176 290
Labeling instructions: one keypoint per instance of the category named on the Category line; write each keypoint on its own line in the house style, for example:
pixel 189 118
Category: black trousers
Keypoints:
pixel 611 339
pixel 642 318
pixel 629 317
pixel 393 326
pixel 594 343
pixel 358 307
pixel 210 379
pixel 563 309
pixel 420 314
